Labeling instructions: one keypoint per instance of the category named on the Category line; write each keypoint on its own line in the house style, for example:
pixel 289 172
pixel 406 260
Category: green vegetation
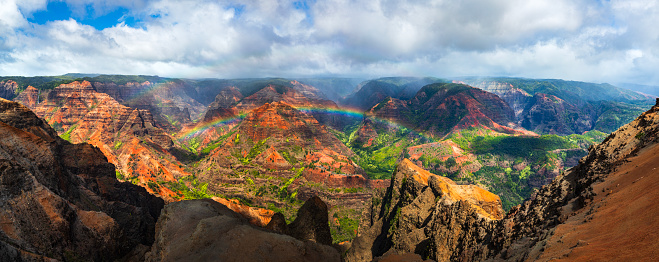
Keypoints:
pixel 380 158
pixel 534 148
pixel 344 224
pixel 67 136
pixel 122 79
pixel 617 114
pixel 505 165
pixel 39 82
pixel 286 155
pixel 189 188
pixel 57 126
pixel 217 143
pixel 256 150
pixel 119 175
pixel 283 191
pixel 572 91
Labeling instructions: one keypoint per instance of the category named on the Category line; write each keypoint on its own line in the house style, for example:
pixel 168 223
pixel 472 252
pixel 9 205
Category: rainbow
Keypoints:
pixel 359 114
pixel 354 113
pixel 346 112
pixel 203 127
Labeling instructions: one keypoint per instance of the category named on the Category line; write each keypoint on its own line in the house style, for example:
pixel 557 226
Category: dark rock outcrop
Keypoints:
pixel 311 222
pixel 559 221
pixel 426 214
pixel 372 92
pixel 204 230
pixel 548 114
pixel 62 200
pixel 8 89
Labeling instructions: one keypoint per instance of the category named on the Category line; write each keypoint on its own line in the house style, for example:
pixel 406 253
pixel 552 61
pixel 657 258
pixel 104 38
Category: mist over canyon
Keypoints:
pixel 147 168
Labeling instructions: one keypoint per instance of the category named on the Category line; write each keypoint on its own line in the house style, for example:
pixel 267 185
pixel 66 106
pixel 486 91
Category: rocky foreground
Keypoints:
pixel 602 209
pixel 61 201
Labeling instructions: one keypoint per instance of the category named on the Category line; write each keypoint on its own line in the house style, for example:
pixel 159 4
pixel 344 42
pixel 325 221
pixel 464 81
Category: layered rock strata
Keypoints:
pixel 62 201
pixel 608 194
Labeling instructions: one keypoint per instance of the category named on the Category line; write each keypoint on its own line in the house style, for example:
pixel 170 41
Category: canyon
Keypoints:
pixel 273 162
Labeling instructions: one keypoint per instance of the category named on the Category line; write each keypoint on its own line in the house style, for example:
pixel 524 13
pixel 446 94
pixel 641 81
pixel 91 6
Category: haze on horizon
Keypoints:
pixel 596 41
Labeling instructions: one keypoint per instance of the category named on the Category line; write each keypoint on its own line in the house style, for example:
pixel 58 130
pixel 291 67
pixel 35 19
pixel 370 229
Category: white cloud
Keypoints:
pixel 592 41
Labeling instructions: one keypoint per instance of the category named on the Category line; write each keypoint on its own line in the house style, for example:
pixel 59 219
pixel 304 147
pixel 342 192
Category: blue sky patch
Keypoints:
pixel 237 9
pixel 54 11
pixel 304 6
pixel 61 11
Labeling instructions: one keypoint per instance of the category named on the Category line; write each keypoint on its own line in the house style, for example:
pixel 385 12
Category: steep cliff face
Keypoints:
pixel 169 101
pixel 29 97
pixel 441 108
pixel 582 194
pixel 8 89
pixel 224 104
pixel 281 121
pixel 372 92
pixel 565 107
pixel 516 98
pixel 461 106
pixel 231 104
pixel 425 214
pixel 601 209
pixel 62 200
pixel 128 137
pixel 366 134
pixel 278 156
pixel 298 95
pixel 549 114
pixel 396 110
pixel 276 129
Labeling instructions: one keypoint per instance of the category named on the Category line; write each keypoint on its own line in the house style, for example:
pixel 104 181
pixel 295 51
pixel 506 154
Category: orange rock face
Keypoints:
pixel 296 96
pixel 486 203
pixel 621 222
pixel 279 121
pixel 256 216
pixel 128 137
pixel 60 198
pixel 29 97
pixel 420 207
pixel 168 101
pixel 272 159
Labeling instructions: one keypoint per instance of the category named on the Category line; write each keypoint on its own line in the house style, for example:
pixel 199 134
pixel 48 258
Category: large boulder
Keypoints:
pixel 204 230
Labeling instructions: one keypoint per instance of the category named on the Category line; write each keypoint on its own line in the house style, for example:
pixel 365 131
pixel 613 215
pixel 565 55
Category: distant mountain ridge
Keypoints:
pixel 645 89
pixel 571 91
pixel 599 210
pixel 565 107
pixel 367 94
pixel 440 108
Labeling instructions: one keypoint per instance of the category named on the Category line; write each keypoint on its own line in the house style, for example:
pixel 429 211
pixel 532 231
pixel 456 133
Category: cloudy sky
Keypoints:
pixel 598 41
